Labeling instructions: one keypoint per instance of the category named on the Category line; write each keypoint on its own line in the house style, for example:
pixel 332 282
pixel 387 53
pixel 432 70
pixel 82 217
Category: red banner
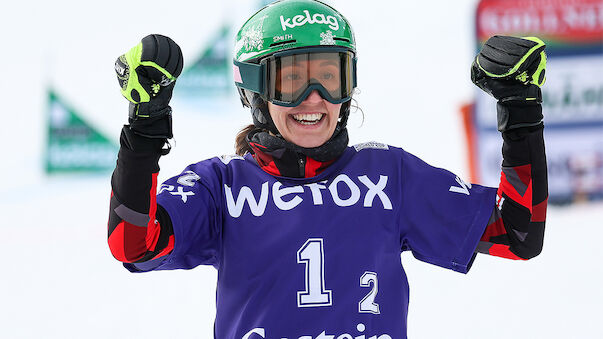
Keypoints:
pixel 569 21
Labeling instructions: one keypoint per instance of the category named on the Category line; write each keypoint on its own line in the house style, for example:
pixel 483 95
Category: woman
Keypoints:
pixel 305 232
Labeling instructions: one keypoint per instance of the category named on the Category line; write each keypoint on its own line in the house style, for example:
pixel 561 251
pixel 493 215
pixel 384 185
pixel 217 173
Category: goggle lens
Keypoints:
pixel 291 78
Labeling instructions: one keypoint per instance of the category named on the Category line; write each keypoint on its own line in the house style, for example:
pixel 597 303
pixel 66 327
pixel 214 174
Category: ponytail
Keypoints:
pixel 241 145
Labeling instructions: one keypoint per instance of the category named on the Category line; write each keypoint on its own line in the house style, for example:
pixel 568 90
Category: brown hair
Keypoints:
pixel 241 145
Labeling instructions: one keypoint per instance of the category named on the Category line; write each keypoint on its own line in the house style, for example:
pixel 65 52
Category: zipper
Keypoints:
pixel 302 167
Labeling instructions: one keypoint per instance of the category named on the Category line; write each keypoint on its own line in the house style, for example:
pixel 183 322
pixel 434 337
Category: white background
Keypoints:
pixel 59 279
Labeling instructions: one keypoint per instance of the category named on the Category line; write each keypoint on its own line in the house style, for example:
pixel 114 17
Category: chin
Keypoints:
pixel 310 143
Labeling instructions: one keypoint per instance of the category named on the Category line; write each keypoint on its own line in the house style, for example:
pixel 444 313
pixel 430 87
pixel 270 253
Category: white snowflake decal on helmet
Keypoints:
pixel 327 38
pixel 253 39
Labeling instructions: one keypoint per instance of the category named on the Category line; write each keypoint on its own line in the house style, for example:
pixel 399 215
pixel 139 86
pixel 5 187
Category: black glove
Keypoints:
pixel 512 70
pixel 147 74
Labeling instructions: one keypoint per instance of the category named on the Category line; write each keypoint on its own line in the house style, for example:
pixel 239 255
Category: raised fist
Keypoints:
pixel 511 68
pixel 154 63
pixel 147 74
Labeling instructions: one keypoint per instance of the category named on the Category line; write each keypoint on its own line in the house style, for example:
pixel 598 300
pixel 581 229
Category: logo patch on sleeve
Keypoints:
pixel 370 144
pixel 227 158
pixel 188 178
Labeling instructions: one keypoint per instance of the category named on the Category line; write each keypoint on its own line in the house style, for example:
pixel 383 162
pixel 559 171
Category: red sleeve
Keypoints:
pixel 516 227
pixel 138 230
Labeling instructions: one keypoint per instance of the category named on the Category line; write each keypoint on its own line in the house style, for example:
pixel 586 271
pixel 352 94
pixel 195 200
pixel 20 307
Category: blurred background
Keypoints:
pixel 63 113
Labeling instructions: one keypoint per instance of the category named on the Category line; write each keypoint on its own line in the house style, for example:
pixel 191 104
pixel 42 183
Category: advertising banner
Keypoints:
pixel 73 145
pixel 210 74
pixel 572 94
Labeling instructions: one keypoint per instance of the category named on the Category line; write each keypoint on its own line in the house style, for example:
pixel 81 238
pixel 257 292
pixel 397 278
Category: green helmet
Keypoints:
pixel 290 24
pixel 283 31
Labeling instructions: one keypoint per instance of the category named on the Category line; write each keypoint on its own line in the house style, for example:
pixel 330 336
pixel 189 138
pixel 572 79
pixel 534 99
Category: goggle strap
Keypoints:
pixel 249 76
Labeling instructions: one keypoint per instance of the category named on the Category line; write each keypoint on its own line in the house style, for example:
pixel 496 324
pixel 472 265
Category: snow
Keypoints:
pixel 59 279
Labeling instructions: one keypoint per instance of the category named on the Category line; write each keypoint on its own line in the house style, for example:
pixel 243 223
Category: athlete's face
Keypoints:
pixel 310 124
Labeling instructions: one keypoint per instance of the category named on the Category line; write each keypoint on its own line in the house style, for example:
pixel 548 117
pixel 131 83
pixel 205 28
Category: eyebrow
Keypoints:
pixel 329 62
pixel 324 62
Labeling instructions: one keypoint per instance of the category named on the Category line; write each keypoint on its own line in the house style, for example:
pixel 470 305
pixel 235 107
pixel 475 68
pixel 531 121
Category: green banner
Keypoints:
pixel 73 145
pixel 211 74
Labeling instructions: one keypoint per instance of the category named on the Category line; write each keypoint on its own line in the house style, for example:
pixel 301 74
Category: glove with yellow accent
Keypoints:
pixel 512 70
pixel 147 74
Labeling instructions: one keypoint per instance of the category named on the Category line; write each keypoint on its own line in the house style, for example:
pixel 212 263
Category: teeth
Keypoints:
pixel 307 118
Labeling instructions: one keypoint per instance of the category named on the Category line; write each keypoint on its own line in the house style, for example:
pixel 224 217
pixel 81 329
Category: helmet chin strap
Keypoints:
pixel 261 115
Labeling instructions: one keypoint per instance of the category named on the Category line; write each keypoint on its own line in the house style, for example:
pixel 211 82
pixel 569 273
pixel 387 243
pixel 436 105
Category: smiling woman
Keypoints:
pixel 299 89
pixel 302 80
pixel 305 232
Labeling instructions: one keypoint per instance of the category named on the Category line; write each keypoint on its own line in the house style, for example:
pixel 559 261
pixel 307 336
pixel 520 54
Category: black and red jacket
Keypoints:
pixel 140 230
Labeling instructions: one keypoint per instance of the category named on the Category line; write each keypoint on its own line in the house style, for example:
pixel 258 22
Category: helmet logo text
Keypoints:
pixel 300 20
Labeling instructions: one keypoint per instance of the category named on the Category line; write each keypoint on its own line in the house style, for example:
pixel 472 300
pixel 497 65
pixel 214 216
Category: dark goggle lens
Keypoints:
pixel 292 77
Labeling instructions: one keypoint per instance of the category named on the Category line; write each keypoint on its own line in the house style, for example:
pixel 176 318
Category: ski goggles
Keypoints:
pixel 287 78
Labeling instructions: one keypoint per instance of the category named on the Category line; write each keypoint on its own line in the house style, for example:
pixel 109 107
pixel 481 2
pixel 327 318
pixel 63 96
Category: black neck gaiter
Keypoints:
pixel 280 157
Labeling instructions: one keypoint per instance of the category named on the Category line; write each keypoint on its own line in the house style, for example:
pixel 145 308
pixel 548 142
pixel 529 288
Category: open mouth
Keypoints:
pixel 308 118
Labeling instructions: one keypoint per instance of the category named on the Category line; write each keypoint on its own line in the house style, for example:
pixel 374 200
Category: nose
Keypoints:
pixel 314 97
